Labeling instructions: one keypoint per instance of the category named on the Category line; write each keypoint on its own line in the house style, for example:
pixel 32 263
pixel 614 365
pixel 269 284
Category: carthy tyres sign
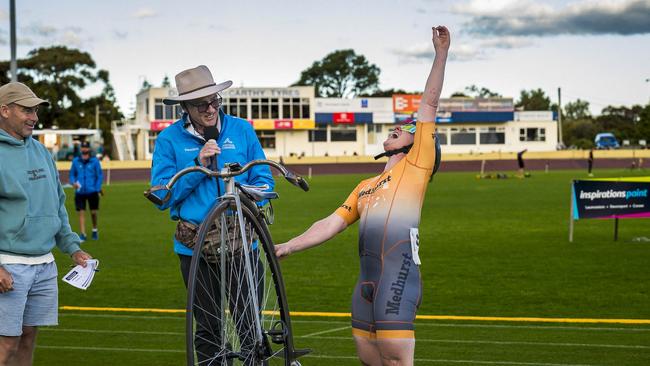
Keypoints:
pixel 611 199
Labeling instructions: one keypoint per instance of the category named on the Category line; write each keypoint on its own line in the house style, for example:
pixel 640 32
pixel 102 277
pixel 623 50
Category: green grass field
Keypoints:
pixel 490 248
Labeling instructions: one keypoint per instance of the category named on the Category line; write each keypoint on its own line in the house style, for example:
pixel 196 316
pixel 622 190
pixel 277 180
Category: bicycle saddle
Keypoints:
pixel 257 193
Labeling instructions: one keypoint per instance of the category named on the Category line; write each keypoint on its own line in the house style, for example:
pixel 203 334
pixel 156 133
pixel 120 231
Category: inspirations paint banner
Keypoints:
pixel 611 199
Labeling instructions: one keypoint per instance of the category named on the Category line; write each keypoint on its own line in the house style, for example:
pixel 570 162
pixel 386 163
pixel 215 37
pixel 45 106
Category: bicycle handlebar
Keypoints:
pixel 230 170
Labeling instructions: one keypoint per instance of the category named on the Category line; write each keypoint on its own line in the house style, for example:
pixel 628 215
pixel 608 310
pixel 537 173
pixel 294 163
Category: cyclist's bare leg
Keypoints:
pixel 396 351
pixel 367 351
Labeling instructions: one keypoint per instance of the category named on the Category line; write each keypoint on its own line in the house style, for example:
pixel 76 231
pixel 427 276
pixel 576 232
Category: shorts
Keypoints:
pixel 80 201
pixel 387 295
pixel 34 300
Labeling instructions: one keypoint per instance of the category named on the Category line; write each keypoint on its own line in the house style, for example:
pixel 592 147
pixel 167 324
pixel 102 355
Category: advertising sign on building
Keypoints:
pixel 160 125
pixel 343 118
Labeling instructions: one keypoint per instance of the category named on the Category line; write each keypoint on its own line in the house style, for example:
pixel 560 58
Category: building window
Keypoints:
pixel 343 133
pixel 275 108
pixel 532 134
pixel 255 108
pixel 237 107
pixel 163 111
pixel 442 135
pixel 295 108
pixel 463 136
pixel 492 135
pixel 158 109
pixel 267 138
pixel 319 134
pixel 374 134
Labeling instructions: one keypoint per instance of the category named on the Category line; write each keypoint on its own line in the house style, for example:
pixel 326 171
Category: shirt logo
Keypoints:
pixel 228 144
pixel 190 149
pixel 36 174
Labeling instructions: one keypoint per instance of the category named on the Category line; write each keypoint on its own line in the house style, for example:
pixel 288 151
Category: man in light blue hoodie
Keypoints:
pixel 33 219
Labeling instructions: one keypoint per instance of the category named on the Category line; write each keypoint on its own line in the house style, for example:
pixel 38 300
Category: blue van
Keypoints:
pixel 606 140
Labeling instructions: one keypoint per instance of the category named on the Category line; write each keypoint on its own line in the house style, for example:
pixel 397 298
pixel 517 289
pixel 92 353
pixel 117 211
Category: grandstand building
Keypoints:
pixel 291 121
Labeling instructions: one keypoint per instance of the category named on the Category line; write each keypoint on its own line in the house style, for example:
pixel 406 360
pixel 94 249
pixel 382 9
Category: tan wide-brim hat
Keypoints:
pixel 20 94
pixel 194 84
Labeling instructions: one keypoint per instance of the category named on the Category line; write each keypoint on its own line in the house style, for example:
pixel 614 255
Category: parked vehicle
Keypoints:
pixel 606 140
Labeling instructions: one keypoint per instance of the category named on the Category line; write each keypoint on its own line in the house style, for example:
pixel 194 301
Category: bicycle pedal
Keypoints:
pixel 277 335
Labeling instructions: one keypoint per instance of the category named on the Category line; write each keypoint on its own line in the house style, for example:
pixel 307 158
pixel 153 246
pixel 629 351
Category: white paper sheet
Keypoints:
pixel 82 277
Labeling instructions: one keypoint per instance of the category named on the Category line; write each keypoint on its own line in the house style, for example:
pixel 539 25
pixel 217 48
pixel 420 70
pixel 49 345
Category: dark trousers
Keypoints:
pixel 207 303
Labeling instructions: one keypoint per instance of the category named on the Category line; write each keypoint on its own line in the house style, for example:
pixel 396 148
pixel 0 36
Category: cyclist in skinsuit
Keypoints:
pixel 388 207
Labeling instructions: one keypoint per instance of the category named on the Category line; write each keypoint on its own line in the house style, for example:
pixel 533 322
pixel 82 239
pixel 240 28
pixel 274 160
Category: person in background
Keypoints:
pixel 86 177
pixel 590 162
pixel 33 219
pixel 521 173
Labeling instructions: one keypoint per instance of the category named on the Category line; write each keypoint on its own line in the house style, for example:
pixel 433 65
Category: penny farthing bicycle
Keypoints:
pixel 237 311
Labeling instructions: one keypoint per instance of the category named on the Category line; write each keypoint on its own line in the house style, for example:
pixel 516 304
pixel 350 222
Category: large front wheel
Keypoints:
pixel 237 312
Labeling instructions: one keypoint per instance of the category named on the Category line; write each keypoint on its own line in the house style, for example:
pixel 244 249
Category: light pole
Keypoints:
pixel 12 17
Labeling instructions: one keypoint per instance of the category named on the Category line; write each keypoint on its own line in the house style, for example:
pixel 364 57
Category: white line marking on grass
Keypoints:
pixel 112 349
pixel 114 316
pixel 554 344
pixel 47 329
pixel 325 331
pixel 474 362
pixel 154 350
pixel 453 325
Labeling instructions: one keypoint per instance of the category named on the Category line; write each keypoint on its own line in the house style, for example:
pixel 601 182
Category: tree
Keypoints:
pixel 533 100
pixel 165 82
pixel 145 84
pixel 341 73
pixel 388 93
pixel 580 133
pixel 458 95
pixel 622 121
pixel 577 110
pixel 59 74
pixel 478 92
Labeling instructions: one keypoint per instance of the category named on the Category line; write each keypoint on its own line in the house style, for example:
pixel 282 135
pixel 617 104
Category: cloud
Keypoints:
pixel 527 18
pixel 424 52
pixel 40 30
pixel 507 43
pixel 120 34
pixel 72 38
pixel 144 13
pixel 40 35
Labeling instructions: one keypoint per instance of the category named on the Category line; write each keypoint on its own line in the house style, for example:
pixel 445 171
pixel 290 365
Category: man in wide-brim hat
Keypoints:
pixel 184 144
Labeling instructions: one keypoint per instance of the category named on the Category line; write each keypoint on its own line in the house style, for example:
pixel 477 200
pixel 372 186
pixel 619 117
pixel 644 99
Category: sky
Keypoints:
pixel 595 50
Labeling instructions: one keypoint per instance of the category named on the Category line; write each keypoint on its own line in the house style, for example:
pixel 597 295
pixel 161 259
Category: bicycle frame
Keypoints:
pixel 232 194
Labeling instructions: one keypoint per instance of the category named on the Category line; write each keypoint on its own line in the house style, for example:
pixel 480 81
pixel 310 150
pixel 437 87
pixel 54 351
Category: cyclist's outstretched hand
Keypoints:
pixel 282 250
pixel 441 38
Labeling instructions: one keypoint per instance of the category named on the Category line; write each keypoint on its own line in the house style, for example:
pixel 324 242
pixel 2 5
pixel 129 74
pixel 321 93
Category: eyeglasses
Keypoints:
pixel 85 152
pixel 202 107
pixel 30 110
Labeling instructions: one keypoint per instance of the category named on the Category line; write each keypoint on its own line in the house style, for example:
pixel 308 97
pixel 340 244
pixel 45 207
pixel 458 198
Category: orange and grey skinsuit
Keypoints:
pixel 388 206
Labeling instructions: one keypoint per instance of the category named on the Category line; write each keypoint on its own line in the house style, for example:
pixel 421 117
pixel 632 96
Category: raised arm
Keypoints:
pixel 433 88
pixel 320 232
